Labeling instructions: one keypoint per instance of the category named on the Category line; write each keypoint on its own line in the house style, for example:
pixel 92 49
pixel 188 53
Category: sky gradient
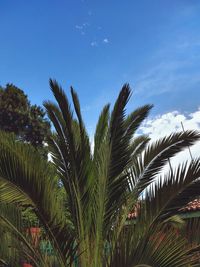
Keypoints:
pixel 96 46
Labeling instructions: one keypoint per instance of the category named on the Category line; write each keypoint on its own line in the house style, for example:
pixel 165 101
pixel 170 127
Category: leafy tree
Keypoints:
pixel 17 115
pixel 99 188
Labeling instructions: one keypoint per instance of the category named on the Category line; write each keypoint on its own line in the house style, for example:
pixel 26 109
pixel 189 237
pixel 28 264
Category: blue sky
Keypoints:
pixel 96 46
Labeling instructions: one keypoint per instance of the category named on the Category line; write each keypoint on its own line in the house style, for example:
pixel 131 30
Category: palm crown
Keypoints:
pixel 83 201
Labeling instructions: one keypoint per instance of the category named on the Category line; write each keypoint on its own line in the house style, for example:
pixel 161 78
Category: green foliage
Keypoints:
pixel 18 116
pixel 13 235
pixel 83 209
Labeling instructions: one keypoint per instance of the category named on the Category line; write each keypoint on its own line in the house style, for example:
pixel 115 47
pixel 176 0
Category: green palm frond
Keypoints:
pixel 191 230
pixel 101 129
pixel 174 190
pixel 157 154
pixel 160 246
pixel 119 144
pixel 14 243
pixel 29 175
pixel 134 120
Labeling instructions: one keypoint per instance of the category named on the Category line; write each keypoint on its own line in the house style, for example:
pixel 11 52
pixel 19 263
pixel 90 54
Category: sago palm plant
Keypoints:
pixel 83 201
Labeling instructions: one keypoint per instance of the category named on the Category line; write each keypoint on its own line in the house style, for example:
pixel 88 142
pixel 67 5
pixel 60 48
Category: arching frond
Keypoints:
pixel 32 180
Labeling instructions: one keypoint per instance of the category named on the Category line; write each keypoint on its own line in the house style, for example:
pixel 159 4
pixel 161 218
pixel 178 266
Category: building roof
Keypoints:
pixel 190 207
pixel 134 213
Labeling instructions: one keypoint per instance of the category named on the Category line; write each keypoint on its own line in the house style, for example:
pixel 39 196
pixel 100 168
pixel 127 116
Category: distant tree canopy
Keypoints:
pixel 17 115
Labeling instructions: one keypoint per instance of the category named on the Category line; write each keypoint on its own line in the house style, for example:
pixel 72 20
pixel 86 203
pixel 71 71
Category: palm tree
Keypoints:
pixel 83 209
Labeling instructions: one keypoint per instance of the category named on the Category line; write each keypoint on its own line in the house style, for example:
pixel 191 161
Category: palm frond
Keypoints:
pixel 29 174
pixel 173 191
pixel 159 247
pixel 134 120
pixel 14 243
pixel 157 154
pixel 101 129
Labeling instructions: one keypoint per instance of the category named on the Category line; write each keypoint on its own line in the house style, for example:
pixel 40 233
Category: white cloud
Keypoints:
pixel 94 43
pixel 167 123
pixel 105 41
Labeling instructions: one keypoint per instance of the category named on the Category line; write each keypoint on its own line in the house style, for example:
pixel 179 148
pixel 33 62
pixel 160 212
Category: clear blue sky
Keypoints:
pixel 96 46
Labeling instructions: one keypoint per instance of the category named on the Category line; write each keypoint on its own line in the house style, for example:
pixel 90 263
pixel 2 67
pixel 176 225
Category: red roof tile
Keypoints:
pixel 134 213
pixel 191 206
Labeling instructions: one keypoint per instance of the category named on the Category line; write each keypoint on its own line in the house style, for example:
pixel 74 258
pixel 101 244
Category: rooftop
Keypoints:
pixel 190 207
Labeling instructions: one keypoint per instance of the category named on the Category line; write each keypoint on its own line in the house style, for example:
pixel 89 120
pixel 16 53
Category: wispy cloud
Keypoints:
pixel 166 77
pixel 79 27
pixel 94 43
pixel 82 27
pixel 176 68
pixel 175 64
pixel 99 42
